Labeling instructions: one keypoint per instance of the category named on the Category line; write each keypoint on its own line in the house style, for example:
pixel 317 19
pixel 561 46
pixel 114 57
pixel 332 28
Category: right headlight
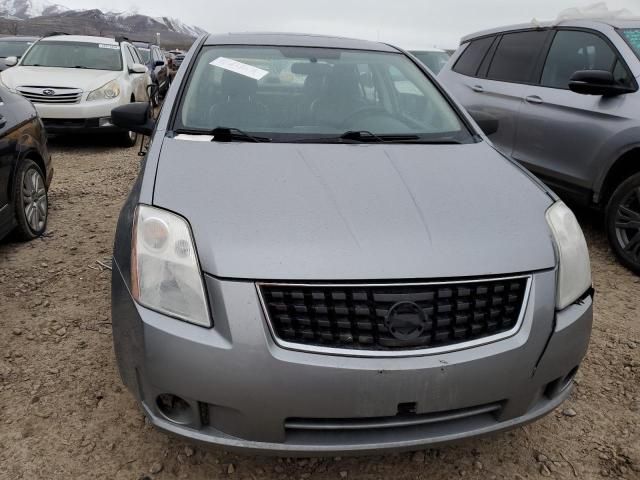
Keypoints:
pixel 165 274
pixel 574 267
pixel 108 91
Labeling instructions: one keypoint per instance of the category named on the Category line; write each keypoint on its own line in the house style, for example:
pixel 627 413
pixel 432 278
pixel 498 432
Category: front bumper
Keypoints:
pixel 245 392
pixel 82 117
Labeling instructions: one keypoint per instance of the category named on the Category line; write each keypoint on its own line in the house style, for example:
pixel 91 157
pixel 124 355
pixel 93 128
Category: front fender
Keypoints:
pixel 613 150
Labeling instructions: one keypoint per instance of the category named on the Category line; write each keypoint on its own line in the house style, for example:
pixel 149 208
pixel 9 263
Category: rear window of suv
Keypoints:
pixel 471 59
pixel 516 57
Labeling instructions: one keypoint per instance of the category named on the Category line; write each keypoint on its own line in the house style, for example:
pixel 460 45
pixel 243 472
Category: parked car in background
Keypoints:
pixel 25 168
pixel 433 58
pixel 319 228
pixel 13 47
pixel 567 101
pixel 75 81
pixel 156 63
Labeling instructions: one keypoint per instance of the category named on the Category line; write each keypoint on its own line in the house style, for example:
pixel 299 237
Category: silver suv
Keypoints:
pixel 568 108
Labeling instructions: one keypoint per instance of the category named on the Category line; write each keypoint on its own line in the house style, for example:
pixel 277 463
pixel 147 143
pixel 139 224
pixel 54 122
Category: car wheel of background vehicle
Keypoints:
pixel 31 201
pixel 155 97
pixel 128 139
pixel 623 222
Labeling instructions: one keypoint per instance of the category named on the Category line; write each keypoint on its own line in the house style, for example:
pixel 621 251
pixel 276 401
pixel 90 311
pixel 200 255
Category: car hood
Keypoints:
pixel 86 80
pixel 348 212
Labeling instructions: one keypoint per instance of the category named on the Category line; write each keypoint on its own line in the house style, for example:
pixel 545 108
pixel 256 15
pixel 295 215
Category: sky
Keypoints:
pixel 406 23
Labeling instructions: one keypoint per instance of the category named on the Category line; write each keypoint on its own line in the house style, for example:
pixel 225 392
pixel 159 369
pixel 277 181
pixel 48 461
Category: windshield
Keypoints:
pixel 290 93
pixel 93 56
pixel 434 61
pixel 632 36
pixel 13 49
pixel 144 54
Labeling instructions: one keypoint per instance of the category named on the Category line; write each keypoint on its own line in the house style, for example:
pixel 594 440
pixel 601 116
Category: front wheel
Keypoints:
pixel 127 139
pixel 31 201
pixel 623 222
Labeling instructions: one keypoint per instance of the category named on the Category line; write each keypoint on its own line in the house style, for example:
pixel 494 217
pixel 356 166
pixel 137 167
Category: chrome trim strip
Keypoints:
pixel 301 347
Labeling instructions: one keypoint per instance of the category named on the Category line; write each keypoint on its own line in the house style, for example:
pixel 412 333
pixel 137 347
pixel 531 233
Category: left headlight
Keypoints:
pixel 108 91
pixel 165 273
pixel 574 267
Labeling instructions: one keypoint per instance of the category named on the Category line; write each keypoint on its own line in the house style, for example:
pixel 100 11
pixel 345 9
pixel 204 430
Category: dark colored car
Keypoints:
pixel 25 168
pixel 156 62
pixel 13 47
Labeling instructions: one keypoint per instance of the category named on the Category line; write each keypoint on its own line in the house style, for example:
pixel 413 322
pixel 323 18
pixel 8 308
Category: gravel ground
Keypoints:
pixel 65 415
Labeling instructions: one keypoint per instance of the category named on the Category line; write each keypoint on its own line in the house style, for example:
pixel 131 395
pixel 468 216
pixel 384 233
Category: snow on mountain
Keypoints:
pixel 180 27
pixel 29 8
pixel 124 22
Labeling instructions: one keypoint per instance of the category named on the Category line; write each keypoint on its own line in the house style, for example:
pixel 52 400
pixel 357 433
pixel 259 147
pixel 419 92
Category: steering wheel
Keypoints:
pixel 364 111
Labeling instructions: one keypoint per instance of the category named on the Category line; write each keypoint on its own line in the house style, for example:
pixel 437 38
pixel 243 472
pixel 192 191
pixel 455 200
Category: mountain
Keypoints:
pixel 39 17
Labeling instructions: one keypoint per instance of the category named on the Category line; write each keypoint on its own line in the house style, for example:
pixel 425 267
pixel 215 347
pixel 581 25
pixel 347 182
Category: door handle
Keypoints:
pixel 535 99
pixel 477 88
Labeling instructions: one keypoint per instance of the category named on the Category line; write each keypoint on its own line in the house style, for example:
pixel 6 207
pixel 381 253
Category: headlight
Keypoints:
pixel 574 276
pixel 105 92
pixel 165 274
pixel 2 84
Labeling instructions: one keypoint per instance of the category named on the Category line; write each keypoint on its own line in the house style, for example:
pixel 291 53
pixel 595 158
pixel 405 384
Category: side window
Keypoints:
pixel 128 56
pixel 472 57
pixel 516 56
pixel 572 51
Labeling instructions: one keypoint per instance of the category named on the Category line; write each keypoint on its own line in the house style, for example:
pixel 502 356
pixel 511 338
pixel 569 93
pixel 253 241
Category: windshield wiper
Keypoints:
pixel 226 134
pixel 361 136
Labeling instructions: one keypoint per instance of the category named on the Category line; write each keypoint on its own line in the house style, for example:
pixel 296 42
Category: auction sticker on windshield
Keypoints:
pixel 239 67
pixel 111 47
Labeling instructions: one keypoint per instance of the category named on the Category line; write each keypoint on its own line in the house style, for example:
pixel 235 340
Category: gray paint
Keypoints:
pixel 282 211
pixel 568 138
pixel 334 212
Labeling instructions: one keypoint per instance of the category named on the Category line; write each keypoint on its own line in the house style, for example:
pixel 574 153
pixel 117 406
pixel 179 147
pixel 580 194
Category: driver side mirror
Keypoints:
pixel 159 63
pixel 134 117
pixel 11 61
pixel 138 68
pixel 597 82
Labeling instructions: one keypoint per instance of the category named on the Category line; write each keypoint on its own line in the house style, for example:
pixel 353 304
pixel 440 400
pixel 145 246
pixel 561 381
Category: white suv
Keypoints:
pixel 75 81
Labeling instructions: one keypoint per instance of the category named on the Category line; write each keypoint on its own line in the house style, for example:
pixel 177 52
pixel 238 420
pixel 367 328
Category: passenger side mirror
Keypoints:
pixel 596 82
pixel 11 61
pixel 134 117
pixel 159 63
pixel 138 68
pixel 487 122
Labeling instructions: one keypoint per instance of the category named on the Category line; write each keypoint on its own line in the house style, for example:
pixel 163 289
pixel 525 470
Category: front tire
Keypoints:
pixel 31 201
pixel 623 223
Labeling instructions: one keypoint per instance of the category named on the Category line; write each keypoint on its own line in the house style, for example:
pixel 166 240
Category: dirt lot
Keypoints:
pixel 65 415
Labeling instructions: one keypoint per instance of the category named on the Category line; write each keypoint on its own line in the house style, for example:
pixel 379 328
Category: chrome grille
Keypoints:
pixel 394 318
pixel 51 95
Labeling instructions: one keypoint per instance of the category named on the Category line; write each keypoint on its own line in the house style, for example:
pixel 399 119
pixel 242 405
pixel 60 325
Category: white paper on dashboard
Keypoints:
pixel 239 67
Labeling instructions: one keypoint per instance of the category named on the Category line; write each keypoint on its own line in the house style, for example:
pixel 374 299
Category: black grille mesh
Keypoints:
pixel 358 317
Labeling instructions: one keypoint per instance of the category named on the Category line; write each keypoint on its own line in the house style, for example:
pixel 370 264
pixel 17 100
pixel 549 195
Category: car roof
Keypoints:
pixel 578 22
pixel 81 38
pixel 296 40
pixel 18 39
pixel 425 50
